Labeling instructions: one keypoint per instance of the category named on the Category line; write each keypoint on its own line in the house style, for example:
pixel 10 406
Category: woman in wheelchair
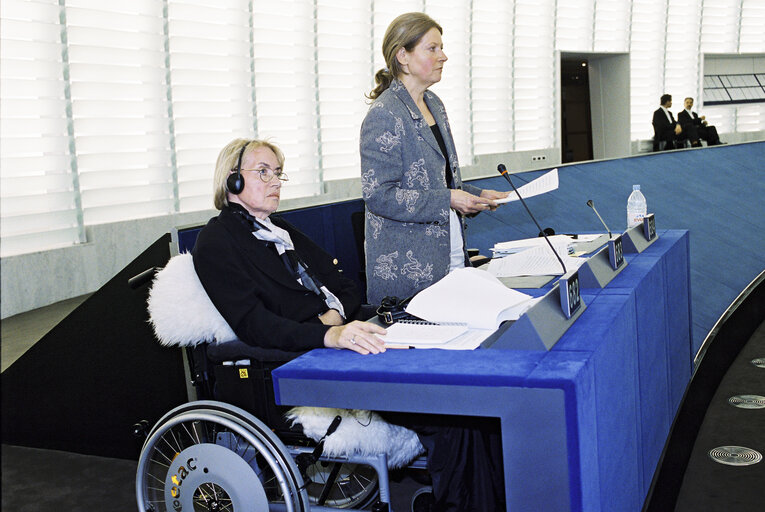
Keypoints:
pixel 283 295
pixel 265 276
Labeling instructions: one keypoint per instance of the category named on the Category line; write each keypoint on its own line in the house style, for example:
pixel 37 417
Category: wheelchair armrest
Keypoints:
pixel 144 277
pixel 235 350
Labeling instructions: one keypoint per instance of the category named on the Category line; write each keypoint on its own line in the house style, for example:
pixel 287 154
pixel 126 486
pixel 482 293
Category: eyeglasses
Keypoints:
pixel 267 174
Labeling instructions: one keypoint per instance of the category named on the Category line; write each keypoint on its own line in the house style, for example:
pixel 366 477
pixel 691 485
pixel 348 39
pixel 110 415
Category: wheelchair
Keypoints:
pixel 231 449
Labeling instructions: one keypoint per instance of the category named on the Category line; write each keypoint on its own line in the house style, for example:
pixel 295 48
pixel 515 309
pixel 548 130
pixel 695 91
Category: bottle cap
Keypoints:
pixel 635 187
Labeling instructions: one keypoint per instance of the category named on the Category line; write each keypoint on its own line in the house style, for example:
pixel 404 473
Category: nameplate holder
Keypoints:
pixel 570 300
pixel 636 240
pixel 649 227
pixel 616 252
pixel 604 265
pixel 539 328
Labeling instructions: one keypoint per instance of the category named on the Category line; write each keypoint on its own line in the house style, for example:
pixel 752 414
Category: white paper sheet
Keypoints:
pixel 545 183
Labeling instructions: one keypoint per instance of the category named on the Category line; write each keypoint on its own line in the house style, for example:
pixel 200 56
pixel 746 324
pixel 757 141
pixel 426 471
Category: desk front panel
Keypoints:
pixel 609 388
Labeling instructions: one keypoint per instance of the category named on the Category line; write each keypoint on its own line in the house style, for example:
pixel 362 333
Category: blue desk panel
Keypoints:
pixel 583 425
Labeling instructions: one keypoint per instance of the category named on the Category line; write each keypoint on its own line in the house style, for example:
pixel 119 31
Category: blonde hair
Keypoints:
pixel 403 32
pixel 227 160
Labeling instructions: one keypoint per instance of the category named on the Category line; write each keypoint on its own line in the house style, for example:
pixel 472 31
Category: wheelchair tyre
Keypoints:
pixel 355 485
pixel 212 456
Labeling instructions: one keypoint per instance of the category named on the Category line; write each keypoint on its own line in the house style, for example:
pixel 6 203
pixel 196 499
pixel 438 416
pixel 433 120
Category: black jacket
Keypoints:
pixel 663 129
pixel 685 120
pixel 258 296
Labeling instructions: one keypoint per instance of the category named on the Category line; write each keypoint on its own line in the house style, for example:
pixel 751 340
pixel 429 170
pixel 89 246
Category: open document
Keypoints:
pixel 467 306
pixel 545 183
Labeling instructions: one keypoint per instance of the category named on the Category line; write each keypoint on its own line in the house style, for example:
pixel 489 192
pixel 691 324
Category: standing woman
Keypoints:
pixel 410 176
pixel 413 192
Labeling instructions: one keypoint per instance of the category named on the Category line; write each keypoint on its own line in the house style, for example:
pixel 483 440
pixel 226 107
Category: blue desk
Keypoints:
pixel 583 425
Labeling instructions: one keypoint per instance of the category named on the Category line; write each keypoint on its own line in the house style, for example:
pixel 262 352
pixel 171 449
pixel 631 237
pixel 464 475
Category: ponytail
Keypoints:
pixel 383 79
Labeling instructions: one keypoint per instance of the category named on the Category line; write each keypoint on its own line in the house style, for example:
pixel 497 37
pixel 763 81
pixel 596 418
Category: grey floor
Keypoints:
pixel 36 480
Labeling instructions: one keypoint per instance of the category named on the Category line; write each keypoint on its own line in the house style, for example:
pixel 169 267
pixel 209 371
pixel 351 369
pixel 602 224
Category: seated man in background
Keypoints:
pixel 665 128
pixel 692 123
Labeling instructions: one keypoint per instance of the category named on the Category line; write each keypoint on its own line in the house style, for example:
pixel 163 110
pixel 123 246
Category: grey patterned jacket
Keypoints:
pixel 404 187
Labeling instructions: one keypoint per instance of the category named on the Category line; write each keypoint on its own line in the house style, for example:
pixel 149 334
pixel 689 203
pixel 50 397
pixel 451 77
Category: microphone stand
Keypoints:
pixel 592 205
pixel 503 171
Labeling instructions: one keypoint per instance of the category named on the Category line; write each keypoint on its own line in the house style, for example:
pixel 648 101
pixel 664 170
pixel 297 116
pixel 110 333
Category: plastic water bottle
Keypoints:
pixel 636 207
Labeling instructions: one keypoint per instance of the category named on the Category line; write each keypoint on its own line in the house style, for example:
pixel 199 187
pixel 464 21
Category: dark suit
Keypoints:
pixel 694 124
pixel 664 130
pixel 259 297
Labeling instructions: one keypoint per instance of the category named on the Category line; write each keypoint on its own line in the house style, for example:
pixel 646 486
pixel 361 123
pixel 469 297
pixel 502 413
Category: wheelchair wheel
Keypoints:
pixel 354 485
pixel 207 455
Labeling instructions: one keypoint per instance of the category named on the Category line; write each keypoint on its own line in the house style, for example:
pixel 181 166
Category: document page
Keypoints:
pixel 545 183
pixel 471 296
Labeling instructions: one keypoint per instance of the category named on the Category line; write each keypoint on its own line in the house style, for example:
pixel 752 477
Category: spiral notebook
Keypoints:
pixel 421 334
pixel 418 333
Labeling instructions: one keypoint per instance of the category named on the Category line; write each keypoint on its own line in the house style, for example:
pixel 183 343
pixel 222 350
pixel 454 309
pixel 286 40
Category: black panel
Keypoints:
pixel 99 371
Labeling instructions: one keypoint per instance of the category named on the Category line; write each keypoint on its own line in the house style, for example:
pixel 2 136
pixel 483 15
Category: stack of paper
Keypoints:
pixel 586 244
pixel 561 243
pixel 537 261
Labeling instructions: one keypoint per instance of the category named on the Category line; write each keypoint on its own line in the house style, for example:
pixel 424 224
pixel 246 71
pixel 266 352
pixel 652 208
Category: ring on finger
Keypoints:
pixel 353 339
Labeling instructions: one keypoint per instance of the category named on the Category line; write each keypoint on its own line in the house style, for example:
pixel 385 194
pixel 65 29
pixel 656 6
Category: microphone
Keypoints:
pixel 592 205
pixel 503 171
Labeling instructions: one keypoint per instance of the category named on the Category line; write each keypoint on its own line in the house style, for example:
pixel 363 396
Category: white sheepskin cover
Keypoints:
pixel 360 432
pixel 182 314
pixel 180 310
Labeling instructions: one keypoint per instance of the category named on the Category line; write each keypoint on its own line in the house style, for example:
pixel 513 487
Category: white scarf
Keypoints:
pixel 270 232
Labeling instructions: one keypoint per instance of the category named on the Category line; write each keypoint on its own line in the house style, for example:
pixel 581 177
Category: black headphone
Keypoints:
pixel 235 181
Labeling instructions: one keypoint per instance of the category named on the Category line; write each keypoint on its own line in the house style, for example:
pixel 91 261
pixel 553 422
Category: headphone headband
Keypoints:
pixel 235 181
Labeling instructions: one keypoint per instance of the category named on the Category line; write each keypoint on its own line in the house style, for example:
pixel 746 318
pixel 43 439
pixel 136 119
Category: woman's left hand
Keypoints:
pixel 357 336
pixel 493 195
